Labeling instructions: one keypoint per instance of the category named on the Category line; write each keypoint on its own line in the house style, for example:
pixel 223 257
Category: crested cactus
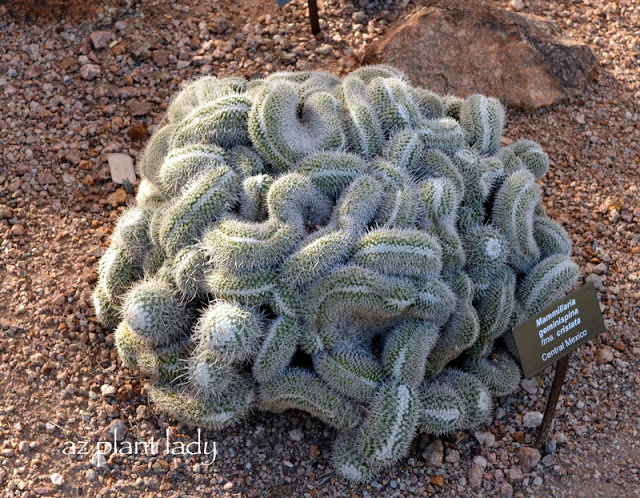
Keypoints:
pixel 351 370
pixel 386 434
pixel 513 214
pixel 184 163
pixel 482 119
pixel 300 389
pixel 355 249
pixel 154 310
pixel 362 123
pixel 444 411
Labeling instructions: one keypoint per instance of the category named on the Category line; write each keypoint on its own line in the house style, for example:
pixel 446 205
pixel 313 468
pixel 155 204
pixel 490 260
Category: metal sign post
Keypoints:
pixel 552 402
pixel 313 17
pixel 314 20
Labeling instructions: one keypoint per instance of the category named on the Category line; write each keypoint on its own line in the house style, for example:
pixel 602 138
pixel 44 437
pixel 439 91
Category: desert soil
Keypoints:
pixel 65 105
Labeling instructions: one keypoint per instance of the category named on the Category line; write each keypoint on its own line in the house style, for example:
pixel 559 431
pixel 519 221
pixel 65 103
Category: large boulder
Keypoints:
pixel 462 47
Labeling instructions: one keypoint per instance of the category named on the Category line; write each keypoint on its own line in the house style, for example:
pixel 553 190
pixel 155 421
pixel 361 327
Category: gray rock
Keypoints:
pixel 600 269
pixel 517 5
pixel 506 490
pixel 324 49
pixel 219 25
pixel 359 17
pixel 453 456
pixel 90 71
pixel 98 460
pixel 605 355
pixel 101 39
pixel 548 460
pixel 523 60
pixel 515 475
pixel 296 435
pixel 434 453
pixel 532 419
pixel 529 385
pixel 137 108
pixel 33 51
pixel 597 281
pixel 475 476
pixel 485 438
pixel 529 457
pixel 115 430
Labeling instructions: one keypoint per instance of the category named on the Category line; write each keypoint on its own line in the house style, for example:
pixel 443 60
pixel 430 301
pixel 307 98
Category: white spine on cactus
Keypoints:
pixel 208 412
pixel 441 200
pixel 351 370
pixel 201 92
pixel 406 350
pixel 391 176
pixel 332 172
pixel 246 161
pixel 483 120
pixel 203 202
pixel 406 150
pixel 222 122
pixel 513 214
pixel 386 434
pixel 228 332
pixel 475 394
pixel 190 269
pixel 282 137
pixel 320 254
pixel 399 252
pixel 294 199
pixel 437 164
pixel 253 289
pixel 117 271
pixel 551 238
pixel 155 152
pixel 400 210
pixel 253 197
pixel 348 461
pixel 444 411
pixel 394 104
pixel 277 349
pixel 363 126
pixel 369 73
pixel 154 310
pixel 302 390
pixel 149 196
pixel 430 103
pixel 184 163
pixel 498 372
pixel 532 155
pixel 359 204
pixel 242 247
pixel 444 134
pixel 550 279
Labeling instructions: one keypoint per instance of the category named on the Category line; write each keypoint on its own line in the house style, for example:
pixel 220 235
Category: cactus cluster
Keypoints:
pixel 356 249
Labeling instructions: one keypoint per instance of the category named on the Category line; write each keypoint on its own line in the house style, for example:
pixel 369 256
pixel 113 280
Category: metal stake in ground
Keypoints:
pixel 313 17
pixel 549 411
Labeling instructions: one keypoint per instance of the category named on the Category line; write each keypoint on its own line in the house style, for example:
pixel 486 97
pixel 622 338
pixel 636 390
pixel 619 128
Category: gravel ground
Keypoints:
pixel 66 104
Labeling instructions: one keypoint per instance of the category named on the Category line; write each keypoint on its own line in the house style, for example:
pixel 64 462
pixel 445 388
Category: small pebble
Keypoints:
pixel 57 479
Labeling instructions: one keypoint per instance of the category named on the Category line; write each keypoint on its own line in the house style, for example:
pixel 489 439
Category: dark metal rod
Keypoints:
pixel 313 17
pixel 549 411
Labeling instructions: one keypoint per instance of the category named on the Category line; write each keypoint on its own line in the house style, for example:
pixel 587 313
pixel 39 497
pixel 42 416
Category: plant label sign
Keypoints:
pixel 282 3
pixel 558 329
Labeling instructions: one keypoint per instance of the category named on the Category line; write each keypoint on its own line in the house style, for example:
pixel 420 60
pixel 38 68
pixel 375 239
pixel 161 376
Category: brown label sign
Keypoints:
pixel 558 329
